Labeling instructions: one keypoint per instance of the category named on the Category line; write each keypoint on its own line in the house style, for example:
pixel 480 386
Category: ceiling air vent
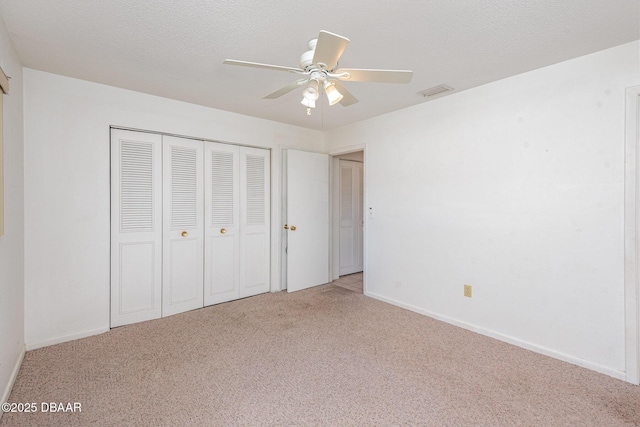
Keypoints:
pixel 436 90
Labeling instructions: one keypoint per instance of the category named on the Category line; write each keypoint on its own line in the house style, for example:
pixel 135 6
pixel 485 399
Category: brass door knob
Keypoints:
pixel 293 228
pixel 222 231
pixel 185 234
pixel 286 227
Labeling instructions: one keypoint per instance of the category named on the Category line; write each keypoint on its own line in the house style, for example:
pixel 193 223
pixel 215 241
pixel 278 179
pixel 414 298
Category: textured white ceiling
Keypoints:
pixel 175 48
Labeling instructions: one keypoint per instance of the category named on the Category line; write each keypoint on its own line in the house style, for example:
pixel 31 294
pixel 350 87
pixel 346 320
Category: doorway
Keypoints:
pixel 348 220
pixel 311 187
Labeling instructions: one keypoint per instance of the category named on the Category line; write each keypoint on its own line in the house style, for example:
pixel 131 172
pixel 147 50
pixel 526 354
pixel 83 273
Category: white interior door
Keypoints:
pixel 351 220
pixel 183 230
pixel 308 219
pixel 136 227
pixel 255 215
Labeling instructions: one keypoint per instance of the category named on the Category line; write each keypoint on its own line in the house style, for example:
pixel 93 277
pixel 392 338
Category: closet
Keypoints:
pixel 189 224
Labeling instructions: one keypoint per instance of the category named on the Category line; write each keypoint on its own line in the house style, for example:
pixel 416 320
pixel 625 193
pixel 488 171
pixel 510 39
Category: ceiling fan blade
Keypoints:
pixel 377 76
pixel 259 65
pixel 288 88
pixel 329 48
pixel 347 97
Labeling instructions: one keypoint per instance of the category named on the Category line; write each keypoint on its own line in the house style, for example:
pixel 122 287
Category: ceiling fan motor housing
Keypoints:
pixel 306 59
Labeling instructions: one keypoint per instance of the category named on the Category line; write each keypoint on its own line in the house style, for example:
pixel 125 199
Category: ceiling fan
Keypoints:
pixel 319 66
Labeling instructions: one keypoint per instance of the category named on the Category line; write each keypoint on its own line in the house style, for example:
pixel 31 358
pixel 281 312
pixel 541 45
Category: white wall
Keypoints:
pixel 67 190
pixel 516 188
pixel 12 243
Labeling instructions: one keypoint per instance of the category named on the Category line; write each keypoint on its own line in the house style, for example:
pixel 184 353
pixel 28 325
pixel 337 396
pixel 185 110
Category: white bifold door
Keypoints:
pixel 189 224
pixel 136 227
pixel 183 229
pixel 237 226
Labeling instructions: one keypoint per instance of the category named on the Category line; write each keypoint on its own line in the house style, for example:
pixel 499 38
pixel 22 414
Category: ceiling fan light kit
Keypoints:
pixel 309 103
pixel 319 65
pixel 333 95
pixel 310 92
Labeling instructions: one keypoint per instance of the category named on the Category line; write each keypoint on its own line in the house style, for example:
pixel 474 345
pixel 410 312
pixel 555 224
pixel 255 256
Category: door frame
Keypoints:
pixel 632 235
pixel 335 214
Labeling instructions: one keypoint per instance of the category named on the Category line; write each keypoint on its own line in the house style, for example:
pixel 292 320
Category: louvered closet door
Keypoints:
pixel 183 229
pixel 237 222
pixel 222 223
pixel 255 235
pixel 136 227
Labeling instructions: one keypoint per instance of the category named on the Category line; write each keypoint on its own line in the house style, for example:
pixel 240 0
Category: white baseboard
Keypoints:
pixel 12 378
pixel 505 338
pixel 65 338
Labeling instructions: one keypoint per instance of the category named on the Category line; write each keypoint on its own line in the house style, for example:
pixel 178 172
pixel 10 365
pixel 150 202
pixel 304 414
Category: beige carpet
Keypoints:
pixel 326 356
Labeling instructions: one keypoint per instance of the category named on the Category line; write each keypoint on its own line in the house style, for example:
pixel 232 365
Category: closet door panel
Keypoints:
pixel 136 227
pixel 256 254
pixel 184 277
pixel 222 272
pixel 137 282
pixel 255 233
pixel 183 233
pixel 222 220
